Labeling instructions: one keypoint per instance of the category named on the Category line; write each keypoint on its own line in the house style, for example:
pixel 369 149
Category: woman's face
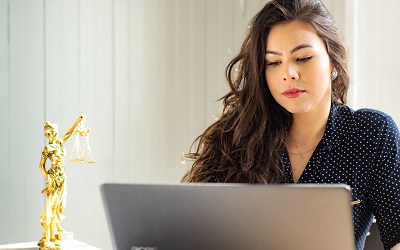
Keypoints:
pixel 298 68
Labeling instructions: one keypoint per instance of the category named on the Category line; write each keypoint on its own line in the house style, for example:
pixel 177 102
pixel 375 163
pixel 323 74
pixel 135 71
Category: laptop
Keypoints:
pixel 229 216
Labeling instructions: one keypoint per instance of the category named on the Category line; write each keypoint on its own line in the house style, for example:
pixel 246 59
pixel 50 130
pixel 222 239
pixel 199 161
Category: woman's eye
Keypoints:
pixel 273 64
pixel 304 59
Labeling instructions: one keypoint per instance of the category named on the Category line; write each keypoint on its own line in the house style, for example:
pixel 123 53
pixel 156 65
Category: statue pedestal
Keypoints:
pixel 61 245
pixel 69 244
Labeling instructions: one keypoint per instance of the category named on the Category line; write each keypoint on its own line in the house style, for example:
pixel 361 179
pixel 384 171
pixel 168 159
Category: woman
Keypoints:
pixel 285 119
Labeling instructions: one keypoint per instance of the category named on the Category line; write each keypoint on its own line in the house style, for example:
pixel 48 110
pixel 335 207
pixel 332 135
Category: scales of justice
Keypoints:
pixel 55 176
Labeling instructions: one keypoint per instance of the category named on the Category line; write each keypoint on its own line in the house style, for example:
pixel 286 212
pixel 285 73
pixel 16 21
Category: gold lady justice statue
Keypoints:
pixel 55 190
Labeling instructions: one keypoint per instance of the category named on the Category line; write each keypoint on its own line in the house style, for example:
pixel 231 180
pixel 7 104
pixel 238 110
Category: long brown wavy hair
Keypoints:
pixel 246 143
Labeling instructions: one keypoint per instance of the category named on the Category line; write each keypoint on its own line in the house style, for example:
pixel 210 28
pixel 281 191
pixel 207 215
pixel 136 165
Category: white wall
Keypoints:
pixel 376 55
pixel 147 74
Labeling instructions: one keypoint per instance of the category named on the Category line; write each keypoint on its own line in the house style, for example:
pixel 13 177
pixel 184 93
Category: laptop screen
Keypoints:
pixel 229 216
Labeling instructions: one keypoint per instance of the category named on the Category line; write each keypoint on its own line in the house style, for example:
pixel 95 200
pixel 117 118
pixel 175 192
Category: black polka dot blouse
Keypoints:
pixel 361 149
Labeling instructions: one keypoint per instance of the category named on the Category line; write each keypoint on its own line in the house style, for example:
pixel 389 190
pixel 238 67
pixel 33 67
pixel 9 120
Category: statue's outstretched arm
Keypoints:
pixel 71 130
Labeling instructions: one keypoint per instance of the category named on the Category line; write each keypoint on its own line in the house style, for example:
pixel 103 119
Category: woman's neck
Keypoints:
pixel 307 129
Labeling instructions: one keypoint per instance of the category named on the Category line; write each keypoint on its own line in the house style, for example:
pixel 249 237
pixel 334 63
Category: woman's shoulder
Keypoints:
pixel 367 115
pixel 371 119
pixel 373 116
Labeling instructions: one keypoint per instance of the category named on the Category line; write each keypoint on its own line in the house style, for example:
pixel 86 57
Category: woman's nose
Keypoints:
pixel 290 73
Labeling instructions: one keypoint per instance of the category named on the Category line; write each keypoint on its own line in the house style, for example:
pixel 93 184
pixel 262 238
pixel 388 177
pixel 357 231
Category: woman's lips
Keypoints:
pixel 293 93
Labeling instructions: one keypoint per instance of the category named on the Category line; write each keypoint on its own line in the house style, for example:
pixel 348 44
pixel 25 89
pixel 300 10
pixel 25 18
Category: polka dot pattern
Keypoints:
pixel 361 149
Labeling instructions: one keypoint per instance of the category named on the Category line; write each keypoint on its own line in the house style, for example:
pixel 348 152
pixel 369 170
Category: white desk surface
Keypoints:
pixel 67 244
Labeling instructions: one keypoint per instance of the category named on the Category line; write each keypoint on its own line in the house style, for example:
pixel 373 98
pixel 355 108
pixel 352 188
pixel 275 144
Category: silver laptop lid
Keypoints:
pixel 229 216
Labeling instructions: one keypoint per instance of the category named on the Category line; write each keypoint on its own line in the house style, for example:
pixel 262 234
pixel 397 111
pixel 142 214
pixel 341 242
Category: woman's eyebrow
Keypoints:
pixel 273 52
pixel 301 46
